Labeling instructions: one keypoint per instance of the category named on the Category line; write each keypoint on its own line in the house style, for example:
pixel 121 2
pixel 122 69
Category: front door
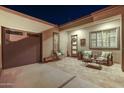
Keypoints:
pixel 74 45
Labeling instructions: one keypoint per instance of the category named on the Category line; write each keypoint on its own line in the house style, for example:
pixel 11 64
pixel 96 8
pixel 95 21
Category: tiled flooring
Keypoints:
pixel 111 76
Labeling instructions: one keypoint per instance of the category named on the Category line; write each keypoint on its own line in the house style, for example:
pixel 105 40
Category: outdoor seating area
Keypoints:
pixel 42 54
pixel 105 58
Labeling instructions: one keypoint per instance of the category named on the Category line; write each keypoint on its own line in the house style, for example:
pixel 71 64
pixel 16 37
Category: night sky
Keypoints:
pixel 57 14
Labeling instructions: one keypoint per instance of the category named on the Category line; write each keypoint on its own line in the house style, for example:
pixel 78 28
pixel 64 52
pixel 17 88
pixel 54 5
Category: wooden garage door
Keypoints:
pixel 19 48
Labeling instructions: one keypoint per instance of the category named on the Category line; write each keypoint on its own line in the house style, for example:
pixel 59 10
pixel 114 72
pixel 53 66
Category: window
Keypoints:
pixel 93 40
pixel 105 39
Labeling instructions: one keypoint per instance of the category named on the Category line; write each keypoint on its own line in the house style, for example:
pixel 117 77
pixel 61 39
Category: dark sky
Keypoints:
pixel 57 14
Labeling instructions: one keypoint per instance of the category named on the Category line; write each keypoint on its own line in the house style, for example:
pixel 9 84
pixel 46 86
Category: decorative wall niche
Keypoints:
pixel 82 42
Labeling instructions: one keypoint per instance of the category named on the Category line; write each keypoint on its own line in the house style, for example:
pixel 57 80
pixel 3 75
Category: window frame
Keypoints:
pixel 102 48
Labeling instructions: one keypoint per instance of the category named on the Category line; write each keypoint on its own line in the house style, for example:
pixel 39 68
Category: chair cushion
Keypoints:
pixel 103 54
pixel 86 57
pixel 58 53
pixel 106 54
pixel 102 58
pixel 87 54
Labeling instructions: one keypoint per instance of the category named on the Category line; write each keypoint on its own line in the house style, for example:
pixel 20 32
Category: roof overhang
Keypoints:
pixel 46 25
pixel 103 13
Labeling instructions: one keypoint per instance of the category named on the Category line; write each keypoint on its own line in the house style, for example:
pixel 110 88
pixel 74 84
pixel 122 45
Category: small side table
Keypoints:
pixel 96 61
pixel 99 63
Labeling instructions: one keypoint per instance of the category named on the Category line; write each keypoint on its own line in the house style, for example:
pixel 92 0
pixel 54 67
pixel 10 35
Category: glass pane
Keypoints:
pixel 74 52
pixel 99 39
pixel 105 37
pixel 74 47
pixel 113 38
pixel 74 43
pixel 93 43
pixel 99 44
pixel 93 35
pixel 93 40
pixel 113 42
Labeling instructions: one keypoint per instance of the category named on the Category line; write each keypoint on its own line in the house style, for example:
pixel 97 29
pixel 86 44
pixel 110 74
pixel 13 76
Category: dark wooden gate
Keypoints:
pixel 22 52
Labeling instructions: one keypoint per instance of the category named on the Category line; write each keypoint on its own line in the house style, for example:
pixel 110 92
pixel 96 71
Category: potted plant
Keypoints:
pixel 80 54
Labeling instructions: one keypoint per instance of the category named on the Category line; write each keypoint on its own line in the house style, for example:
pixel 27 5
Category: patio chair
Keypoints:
pixel 106 58
pixel 86 56
pixel 58 54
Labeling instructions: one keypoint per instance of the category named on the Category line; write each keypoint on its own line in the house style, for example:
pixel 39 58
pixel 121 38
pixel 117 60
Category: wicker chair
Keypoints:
pixel 106 58
pixel 86 56
pixel 58 54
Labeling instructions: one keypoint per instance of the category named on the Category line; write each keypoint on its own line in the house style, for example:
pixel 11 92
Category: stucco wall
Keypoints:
pixel 83 33
pixel 64 42
pixel 0 54
pixel 48 42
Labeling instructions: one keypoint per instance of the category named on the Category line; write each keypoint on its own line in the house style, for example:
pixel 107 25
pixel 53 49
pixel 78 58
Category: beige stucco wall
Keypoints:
pixel 48 42
pixel 17 22
pixel 0 55
pixel 64 42
pixel 83 33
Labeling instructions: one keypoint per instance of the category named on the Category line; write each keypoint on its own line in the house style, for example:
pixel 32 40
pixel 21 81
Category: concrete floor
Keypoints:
pixel 34 76
pixel 111 76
